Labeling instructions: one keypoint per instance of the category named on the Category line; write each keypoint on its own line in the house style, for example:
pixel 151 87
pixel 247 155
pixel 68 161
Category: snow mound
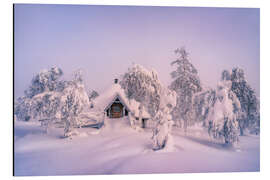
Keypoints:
pixel 117 125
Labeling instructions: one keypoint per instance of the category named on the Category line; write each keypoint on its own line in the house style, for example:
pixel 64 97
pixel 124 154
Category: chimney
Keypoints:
pixel 115 81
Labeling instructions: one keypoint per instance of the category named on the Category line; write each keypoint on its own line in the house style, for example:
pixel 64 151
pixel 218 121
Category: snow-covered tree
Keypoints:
pixel 202 102
pixel 249 102
pixel 92 95
pixel 186 83
pixel 74 101
pixel 45 108
pixel 22 109
pixel 162 132
pixel 143 86
pixel 50 100
pixel 222 118
pixel 43 86
pixel 226 75
pixel 46 80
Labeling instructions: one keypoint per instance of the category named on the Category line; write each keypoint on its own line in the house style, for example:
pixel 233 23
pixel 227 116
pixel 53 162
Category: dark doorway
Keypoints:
pixel 116 110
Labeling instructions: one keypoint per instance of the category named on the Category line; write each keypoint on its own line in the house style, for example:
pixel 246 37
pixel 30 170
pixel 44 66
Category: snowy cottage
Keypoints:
pixel 115 104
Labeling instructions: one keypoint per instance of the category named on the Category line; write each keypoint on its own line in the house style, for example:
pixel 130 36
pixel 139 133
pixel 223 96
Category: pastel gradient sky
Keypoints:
pixel 105 40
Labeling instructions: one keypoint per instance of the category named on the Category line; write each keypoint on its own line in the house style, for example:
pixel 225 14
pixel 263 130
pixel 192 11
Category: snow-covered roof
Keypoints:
pixel 102 102
pixel 122 100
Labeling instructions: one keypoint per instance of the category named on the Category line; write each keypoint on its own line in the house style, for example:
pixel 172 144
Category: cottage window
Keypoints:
pixel 116 109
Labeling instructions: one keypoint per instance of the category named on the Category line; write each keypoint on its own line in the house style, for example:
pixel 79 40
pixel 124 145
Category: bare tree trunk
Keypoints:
pixel 241 127
pixel 68 128
pixel 140 115
pixel 185 118
pixel 241 131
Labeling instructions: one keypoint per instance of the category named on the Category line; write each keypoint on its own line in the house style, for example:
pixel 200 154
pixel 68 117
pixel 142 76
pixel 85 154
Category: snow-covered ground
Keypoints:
pixel 118 149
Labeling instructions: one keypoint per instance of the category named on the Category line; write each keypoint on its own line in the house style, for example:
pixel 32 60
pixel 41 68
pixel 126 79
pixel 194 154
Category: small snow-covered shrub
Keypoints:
pixel 92 95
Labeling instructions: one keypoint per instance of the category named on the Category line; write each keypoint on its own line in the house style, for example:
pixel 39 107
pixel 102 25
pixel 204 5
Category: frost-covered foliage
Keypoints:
pixel 222 118
pixel 249 117
pixel 22 109
pixel 43 86
pixel 225 75
pixel 143 86
pixel 249 102
pixel 92 95
pixel 186 83
pixel 202 102
pixel 162 132
pixel 46 80
pixel 53 101
pixel 73 102
pixel 45 108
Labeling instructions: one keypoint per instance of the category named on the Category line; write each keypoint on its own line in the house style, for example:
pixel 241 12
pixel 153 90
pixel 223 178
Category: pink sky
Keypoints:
pixel 105 40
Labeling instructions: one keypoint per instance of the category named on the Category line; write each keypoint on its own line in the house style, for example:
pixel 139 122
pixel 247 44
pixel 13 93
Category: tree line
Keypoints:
pixel 229 110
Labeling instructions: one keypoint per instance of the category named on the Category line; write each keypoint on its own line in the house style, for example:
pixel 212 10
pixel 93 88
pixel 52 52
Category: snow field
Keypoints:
pixel 119 149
